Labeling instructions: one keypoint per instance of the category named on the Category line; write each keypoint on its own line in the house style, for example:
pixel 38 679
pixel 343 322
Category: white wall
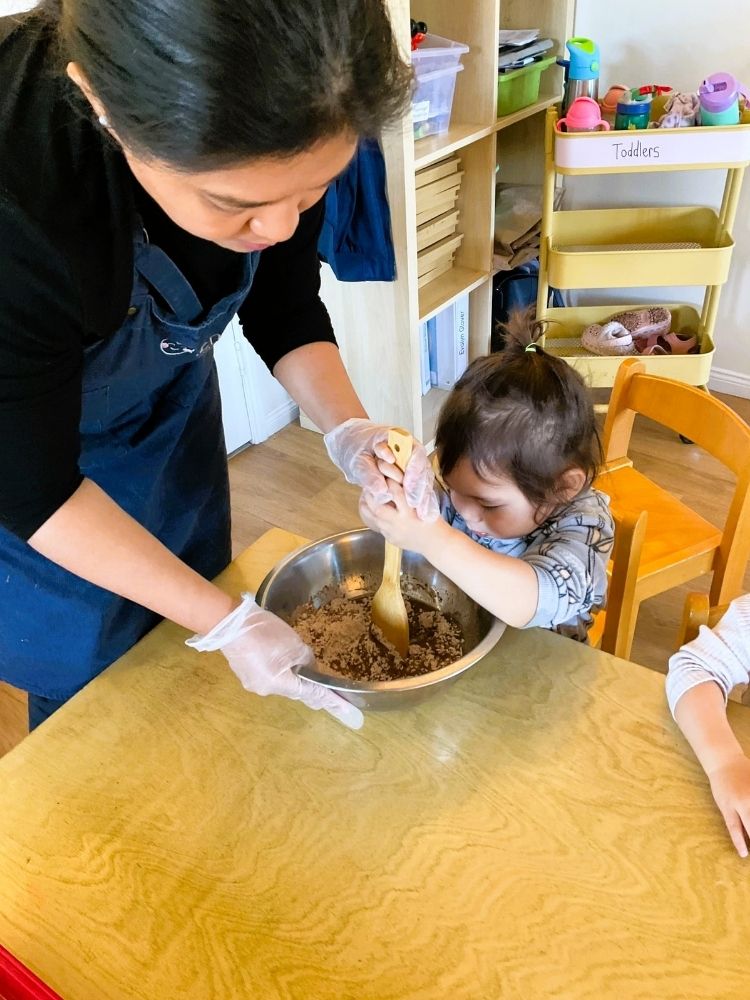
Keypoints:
pixel 15 6
pixel 679 43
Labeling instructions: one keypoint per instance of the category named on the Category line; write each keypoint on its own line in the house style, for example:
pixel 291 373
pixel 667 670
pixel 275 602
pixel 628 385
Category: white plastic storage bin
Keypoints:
pixel 433 101
pixel 436 53
pixel 437 63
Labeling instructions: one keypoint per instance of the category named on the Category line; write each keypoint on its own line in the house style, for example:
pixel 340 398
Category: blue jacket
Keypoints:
pixel 356 235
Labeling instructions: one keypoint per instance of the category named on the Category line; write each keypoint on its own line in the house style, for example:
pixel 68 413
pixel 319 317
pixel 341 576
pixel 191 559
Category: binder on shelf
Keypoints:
pixel 424 359
pixel 432 354
pixel 515 58
pixel 449 344
pixel 461 334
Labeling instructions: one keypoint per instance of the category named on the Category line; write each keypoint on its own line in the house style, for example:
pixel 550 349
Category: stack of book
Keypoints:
pixel 520 48
pixel 438 188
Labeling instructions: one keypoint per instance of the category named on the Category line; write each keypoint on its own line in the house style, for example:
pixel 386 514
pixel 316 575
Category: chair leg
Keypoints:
pixel 623 600
pixel 626 631
pixel 694 615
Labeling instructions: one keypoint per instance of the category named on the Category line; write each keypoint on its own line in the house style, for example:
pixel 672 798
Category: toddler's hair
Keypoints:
pixel 521 413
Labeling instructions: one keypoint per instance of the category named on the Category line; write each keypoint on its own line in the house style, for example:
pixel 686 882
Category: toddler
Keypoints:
pixel 522 530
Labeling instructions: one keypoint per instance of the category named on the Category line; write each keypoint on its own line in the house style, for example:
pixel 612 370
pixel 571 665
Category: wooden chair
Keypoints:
pixel 679 544
pixel 697 612
pixel 613 628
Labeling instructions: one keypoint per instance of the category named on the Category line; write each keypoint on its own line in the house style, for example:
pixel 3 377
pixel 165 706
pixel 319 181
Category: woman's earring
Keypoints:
pixel 104 121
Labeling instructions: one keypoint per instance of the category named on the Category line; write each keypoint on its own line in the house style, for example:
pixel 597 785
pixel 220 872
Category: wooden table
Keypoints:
pixel 539 830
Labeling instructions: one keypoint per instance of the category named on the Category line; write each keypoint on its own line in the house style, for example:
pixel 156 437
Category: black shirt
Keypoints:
pixel 68 204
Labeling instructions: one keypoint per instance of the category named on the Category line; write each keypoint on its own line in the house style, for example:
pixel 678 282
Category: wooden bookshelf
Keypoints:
pixel 376 323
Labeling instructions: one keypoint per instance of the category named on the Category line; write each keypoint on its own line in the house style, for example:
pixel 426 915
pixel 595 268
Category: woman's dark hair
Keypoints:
pixel 199 84
pixel 522 413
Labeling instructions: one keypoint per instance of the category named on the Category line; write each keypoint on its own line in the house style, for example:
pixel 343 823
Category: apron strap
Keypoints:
pixel 168 280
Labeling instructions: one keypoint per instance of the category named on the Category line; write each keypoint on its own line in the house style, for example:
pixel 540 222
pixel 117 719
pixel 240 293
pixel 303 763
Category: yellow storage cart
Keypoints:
pixel 638 247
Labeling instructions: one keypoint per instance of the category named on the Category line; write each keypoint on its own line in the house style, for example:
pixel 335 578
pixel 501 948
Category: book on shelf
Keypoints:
pixel 448 342
pixel 424 355
pixel 515 58
pixel 516 37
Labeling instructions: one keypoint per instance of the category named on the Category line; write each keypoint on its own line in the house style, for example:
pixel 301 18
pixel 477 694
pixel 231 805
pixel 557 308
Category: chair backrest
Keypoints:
pixel 710 424
pixel 612 629
pixel 688 411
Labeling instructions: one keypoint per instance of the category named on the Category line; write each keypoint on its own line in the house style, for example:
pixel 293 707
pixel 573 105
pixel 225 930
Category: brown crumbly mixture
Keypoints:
pixel 346 642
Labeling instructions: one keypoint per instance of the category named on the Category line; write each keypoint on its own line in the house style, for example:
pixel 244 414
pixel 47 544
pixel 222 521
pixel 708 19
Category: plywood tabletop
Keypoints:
pixel 538 830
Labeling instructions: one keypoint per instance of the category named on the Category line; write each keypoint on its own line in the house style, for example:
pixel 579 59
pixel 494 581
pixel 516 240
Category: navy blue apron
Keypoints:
pixel 152 439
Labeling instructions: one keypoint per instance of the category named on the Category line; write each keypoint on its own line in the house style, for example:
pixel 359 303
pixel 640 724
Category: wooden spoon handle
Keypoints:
pixel 392 566
pixel 401 444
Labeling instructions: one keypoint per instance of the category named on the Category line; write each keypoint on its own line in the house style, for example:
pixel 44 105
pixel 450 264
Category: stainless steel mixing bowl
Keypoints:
pixel 351 563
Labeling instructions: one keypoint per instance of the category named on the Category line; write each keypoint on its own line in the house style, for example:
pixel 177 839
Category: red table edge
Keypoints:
pixel 19 983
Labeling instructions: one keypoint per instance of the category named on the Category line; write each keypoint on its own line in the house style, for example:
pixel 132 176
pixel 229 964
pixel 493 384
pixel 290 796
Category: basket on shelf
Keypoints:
pixel 520 87
pixel 437 63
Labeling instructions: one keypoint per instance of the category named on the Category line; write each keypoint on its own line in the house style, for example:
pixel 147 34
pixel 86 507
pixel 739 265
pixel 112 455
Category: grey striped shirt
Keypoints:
pixel 569 554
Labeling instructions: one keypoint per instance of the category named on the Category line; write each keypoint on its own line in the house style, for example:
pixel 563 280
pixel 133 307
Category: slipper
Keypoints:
pixel 645 322
pixel 610 339
pixel 672 343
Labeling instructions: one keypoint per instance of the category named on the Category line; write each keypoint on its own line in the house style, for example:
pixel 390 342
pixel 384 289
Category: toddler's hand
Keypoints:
pixel 360 449
pixel 730 786
pixel 397 521
pixel 390 471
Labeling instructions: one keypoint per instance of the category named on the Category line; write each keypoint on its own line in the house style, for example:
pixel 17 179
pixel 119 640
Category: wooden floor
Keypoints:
pixel 288 482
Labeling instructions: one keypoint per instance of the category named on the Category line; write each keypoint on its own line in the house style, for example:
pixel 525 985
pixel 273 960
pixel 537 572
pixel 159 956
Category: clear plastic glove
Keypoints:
pixel 355 447
pixel 262 650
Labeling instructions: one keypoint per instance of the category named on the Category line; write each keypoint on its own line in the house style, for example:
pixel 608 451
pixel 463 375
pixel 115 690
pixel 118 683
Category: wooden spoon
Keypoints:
pixel 388 608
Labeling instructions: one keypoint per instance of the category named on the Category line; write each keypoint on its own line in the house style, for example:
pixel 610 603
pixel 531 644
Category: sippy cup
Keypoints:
pixel 610 100
pixel 583 116
pixel 633 110
pixel 581 71
pixel 720 99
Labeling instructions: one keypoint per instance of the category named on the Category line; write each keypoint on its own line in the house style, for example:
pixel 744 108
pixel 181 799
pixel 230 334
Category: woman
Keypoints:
pixel 162 166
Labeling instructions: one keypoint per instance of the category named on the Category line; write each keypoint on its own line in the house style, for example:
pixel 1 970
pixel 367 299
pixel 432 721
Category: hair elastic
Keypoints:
pixel 531 347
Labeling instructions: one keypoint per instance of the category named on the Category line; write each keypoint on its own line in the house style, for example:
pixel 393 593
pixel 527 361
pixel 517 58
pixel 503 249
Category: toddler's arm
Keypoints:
pixel 701 675
pixel 569 556
pixel 504 585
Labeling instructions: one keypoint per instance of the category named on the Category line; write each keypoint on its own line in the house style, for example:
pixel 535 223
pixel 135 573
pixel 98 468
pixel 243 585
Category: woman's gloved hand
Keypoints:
pixel 262 650
pixel 355 447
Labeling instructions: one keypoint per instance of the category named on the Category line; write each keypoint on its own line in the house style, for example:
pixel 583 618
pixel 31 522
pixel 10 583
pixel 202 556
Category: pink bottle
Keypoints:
pixel 584 115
